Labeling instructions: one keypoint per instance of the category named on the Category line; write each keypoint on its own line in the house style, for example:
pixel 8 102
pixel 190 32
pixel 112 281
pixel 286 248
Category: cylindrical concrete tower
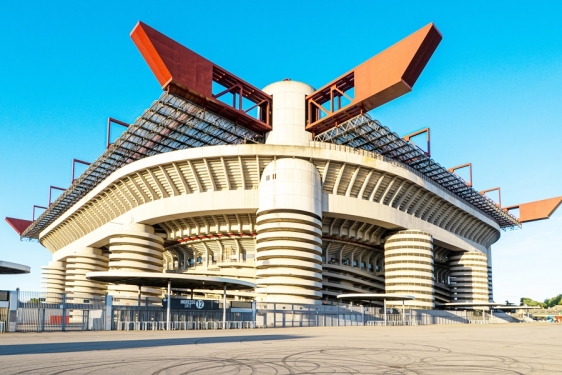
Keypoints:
pixel 289 218
pixel 53 277
pixel 289 113
pixel 135 248
pixel 289 233
pixel 408 264
pixel 469 276
pixel 78 265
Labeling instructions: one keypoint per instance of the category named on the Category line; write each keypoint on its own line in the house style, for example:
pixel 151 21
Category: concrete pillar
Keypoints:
pixel 408 263
pixel 289 113
pixel 80 263
pixel 53 277
pixel 135 248
pixel 289 218
pixel 289 233
pixel 469 277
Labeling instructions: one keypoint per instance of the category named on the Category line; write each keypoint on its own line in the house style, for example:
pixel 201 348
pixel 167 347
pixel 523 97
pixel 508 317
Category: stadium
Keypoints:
pixel 295 189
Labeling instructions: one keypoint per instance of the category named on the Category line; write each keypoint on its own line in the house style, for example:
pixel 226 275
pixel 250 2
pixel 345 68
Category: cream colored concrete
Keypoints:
pixel 135 248
pixel 125 189
pixel 53 277
pixel 289 113
pixel 408 258
pixel 469 277
pixel 293 215
pixel 85 260
pixel 289 226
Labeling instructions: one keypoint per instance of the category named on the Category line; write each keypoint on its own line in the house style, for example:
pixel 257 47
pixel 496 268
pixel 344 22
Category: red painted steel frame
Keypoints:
pixel 51 191
pixel 74 161
pixel 483 192
pixel 185 73
pixel 110 120
pixel 384 77
pixel 19 225
pixel 408 138
pixel 33 213
pixel 537 210
pixel 467 165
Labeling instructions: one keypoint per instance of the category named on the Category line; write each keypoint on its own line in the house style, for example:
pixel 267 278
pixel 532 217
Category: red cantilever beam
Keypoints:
pixel 19 225
pixel 537 210
pixel 384 77
pixel 185 73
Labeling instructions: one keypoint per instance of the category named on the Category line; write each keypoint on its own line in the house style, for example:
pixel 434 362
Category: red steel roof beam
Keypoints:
pixel 408 138
pixel 183 72
pixel 483 192
pixel 466 165
pixel 111 120
pixel 33 213
pixel 19 225
pixel 74 161
pixel 537 210
pixel 384 77
pixel 51 192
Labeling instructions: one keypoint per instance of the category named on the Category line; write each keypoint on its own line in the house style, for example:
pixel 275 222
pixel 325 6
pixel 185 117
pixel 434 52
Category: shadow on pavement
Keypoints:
pixel 131 344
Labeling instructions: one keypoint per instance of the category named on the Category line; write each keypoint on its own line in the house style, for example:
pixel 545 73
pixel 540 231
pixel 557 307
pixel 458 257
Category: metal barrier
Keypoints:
pixel 183 325
pixel 380 323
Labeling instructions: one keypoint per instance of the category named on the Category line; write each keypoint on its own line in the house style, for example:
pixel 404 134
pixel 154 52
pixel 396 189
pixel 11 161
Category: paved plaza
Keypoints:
pixel 436 349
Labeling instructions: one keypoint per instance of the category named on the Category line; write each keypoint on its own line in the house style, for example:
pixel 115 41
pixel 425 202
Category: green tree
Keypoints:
pixel 526 301
pixel 551 302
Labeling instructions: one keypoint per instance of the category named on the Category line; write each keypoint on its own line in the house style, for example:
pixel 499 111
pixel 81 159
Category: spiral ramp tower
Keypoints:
pixel 408 258
pixel 53 277
pixel 289 217
pixel 135 248
pixel 469 277
pixel 289 233
pixel 77 266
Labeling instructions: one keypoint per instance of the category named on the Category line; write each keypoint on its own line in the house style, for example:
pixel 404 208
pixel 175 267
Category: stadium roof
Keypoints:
pixel 362 132
pixel 171 123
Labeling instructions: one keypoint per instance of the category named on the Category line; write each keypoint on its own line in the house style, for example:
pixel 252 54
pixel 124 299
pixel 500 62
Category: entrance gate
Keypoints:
pixel 40 312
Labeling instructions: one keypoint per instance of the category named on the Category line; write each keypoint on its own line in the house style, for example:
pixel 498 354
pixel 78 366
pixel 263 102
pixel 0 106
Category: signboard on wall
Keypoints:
pixel 191 304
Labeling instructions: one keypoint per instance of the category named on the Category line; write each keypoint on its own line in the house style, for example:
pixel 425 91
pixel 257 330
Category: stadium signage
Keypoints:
pixel 191 304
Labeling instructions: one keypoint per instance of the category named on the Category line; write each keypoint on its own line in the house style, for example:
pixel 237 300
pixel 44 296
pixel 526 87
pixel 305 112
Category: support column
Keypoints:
pixel 469 277
pixel 53 277
pixel 408 263
pixel 135 248
pixel 80 263
pixel 289 233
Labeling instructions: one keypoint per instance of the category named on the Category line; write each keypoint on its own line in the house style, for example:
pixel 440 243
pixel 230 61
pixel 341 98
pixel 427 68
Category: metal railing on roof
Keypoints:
pixel 171 123
pixel 362 132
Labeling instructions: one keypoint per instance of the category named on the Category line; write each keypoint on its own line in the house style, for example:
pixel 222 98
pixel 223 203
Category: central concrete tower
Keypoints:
pixel 289 218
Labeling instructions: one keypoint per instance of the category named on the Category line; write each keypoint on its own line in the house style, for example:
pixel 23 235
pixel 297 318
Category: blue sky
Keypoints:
pixel 491 95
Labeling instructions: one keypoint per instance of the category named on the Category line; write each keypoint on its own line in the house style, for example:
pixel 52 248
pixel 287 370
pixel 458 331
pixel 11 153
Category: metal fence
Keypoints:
pixel 40 312
pixel 279 315
pixel 154 318
pixel 3 319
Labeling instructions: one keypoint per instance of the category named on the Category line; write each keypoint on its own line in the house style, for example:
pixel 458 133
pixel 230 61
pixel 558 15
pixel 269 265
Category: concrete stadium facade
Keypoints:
pixel 303 218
